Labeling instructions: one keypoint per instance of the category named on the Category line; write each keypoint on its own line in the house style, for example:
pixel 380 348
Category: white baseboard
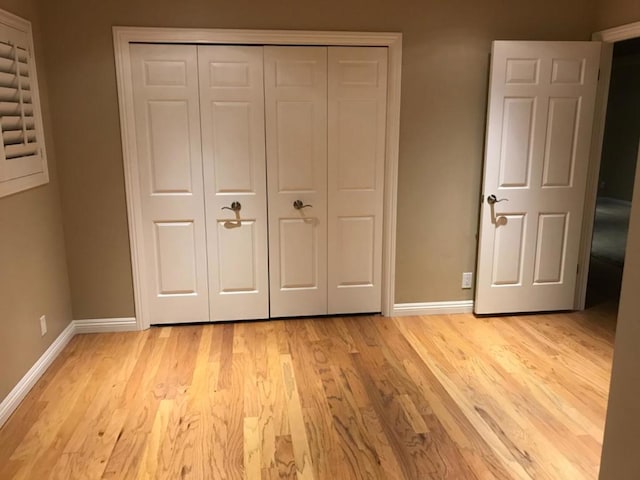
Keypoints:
pixel 103 325
pixel 100 325
pixel 432 308
pixel 11 402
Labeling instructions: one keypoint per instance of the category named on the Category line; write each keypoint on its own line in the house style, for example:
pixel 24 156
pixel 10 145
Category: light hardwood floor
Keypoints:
pixel 361 397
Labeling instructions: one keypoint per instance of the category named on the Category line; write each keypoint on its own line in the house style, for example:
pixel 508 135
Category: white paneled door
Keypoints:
pixel 541 104
pixel 167 122
pixel 356 132
pixel 296 121
pixel 233 148
pixel 262 172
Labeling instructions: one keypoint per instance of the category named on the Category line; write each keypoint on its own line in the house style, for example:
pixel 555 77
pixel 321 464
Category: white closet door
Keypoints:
pixel 356 139
pixel 167 122
pixel 233 148
pixel 296 113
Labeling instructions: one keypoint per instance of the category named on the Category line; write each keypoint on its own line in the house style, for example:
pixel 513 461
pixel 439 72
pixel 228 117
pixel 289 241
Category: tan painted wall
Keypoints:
pixel 611 13
pixel 620 459
pixel 33 272
pixel 445 70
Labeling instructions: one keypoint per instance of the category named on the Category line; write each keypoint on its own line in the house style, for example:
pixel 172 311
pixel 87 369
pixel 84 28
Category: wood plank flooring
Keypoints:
pixel 411 398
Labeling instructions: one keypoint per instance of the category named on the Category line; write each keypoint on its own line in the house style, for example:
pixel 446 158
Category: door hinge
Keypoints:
pixel 599 74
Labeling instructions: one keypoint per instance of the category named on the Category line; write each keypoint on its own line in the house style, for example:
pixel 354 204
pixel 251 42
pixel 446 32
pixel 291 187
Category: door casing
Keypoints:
pixel 123 37
pixel 608 38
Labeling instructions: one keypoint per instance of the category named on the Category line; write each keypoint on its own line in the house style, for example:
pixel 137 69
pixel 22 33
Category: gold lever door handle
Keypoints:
pixel 298 205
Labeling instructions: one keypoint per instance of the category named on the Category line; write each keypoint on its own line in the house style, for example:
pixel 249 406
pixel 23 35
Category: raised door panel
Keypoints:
pixel 298 254
pixel 169 146
pixel 357 100
pixel 551 248
pixel 167 123
pixel 539 123
pixel 509 250
pixel 176 258
pixel 296 127
pixel 233 148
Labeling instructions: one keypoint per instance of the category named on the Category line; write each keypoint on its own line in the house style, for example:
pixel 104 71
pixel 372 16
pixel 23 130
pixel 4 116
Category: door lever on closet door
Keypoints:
pixel 235 207
pixel 298 205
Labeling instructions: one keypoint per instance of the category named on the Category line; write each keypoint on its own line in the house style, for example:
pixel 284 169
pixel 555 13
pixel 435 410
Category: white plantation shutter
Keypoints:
pixel 22 157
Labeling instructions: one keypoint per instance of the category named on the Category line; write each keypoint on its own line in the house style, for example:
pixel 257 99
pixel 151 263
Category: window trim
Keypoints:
pixel 10 186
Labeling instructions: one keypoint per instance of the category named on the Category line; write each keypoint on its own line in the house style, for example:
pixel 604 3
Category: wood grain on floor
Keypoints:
pixel 411 398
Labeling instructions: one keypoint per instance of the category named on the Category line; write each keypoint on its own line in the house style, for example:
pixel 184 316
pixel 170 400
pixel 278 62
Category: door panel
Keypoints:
pixel 231 131
pixel 237 273
pixel 296 157
pixel 356 250
pixel 165 82
pixel 169 143
pixel 562 132
pixel 356 141
pixel 515 158
pixel 296 121
pixel 551 248
pixel 540 116
pixel 233 149
pixel 298 254
pixel 176 262
pixel 509 248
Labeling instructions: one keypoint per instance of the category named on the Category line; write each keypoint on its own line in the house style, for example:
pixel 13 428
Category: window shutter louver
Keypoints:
pixel 22 158
pixel 16 109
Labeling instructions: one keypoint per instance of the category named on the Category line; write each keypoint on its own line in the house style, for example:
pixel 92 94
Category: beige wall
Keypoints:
pixel 445 69
pixel 33 273
pixel 611 13
pixel 620 459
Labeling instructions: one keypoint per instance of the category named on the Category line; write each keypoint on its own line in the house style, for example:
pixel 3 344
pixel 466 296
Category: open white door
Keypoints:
pixel 540 115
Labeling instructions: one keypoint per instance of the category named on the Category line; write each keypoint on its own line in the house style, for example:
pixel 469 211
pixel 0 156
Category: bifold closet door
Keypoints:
pixel 296 126
pixel 167 123
pixel 233 148
pixel 357 116
pixel 226 133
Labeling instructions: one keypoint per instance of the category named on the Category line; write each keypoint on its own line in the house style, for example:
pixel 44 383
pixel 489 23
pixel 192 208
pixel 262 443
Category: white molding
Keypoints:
pixel 104 325
pixel 124 36
pixel 608 38
pixel 12 401
pixel 432 308
pixel 617 34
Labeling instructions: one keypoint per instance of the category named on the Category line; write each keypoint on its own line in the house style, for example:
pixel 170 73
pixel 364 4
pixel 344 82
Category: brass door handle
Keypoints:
pixel 298 205
pixel 235 207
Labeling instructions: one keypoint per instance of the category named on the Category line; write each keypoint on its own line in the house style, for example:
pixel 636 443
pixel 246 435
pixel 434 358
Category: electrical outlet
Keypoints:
pixel 467 279
pixel 43 325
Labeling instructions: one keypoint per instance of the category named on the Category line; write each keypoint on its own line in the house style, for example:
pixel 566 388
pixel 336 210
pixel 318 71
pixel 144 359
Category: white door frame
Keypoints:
pixel 124 36
pixel 608 38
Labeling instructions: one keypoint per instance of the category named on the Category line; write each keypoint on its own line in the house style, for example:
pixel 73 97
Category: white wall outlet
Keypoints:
pixel 43 325
pixel 467 279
